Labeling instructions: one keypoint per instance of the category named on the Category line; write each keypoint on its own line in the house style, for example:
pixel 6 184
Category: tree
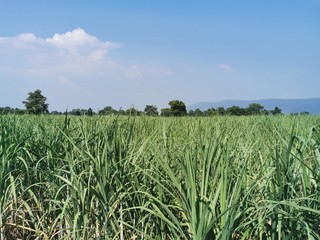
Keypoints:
pixel 121 112
pixel 276 111
pixel 166 112
pixel 221 111
pixel 198 112
pixel 236 111
pixel 254 109
pixel 55 112
pixel 107 111
pixel 6 110
pixel 305 113
pixel 191 113
pixel 151 110
pixel 76 112
pixel 132 112
pixel 36 103
pixel 210 112
pixel 178 108
pixel 90 112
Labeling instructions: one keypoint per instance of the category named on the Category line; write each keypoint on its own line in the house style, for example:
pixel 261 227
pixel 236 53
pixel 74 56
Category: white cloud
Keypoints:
pixel 27 37
pixel 71 55
pixel 75 52
pixel 79 43
pixel 74 38
pixel 22 41
pixel 226 67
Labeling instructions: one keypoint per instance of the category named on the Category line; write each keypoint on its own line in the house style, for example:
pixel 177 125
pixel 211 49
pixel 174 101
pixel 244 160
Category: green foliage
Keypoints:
pixel 221 111
pixel 132 112
pixel 120 177
pixel 255 109
pixel 8 110
pixel 77 112
pixel 276 111
pixel 151 110
pixel 178 108
pixel 236 111
pixel 198 112
pixel 90 112
pixel 108 110
pixel 166 112
pixel 252 109
pixel 36 103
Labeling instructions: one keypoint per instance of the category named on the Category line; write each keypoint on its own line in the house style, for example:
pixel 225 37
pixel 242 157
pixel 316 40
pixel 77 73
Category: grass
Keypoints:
pixel 159 178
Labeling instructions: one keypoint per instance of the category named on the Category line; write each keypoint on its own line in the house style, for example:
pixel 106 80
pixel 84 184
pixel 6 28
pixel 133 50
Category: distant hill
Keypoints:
pixel 311 105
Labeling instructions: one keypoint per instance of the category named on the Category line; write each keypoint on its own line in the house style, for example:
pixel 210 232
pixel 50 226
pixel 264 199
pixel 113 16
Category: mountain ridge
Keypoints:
pixel 310 105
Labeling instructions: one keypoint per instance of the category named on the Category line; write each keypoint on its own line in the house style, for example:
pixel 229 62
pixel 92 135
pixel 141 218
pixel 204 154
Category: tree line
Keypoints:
pixel 36 104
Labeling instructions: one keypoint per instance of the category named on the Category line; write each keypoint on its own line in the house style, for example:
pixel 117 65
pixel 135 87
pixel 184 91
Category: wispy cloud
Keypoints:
pixel 226 67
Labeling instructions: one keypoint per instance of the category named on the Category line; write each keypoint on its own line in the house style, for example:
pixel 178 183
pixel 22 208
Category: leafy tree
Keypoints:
pixel 79 112
pixel 56 113
pixel 6 110
pixel 305 113
pixel 76 112
pixel 166 112
pixel 132 111
pixel 151 110
pixel 236 111
pixel 198 112
pixel 178 108
pixel 121 112
pixel 191 113
pixel 107 111
pixel 210 112
pixel 36 103
pixel 221 111
pixel 19 111
pixel 254 109
pixel 276 111
pixel 90 112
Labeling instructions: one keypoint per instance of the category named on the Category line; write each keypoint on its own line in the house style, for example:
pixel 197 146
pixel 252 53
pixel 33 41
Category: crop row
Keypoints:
pixel 114 177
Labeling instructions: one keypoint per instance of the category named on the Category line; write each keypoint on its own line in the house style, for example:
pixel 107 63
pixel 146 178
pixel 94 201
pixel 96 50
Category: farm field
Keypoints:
pixel 111 177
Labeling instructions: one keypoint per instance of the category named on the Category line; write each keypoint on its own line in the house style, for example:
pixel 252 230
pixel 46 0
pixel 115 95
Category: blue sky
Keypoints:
pixel 100 53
